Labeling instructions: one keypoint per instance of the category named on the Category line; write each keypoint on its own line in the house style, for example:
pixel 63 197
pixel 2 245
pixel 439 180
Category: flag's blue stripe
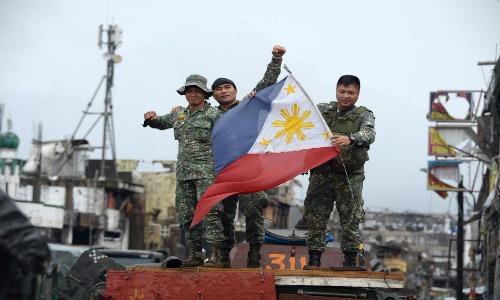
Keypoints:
pixel 236 131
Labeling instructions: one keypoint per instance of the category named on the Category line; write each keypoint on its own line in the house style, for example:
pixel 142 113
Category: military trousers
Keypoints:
pixel 187 194
pixel 252 205
pixel 324 190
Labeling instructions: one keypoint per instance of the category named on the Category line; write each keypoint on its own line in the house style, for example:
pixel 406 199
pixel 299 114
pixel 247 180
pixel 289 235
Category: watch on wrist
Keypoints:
pixel 353 139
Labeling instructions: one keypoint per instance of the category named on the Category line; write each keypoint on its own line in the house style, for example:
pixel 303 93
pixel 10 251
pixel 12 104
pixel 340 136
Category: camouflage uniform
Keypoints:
pixel 195 173
pixel 271 76
pixel 328 183
pixel 252 204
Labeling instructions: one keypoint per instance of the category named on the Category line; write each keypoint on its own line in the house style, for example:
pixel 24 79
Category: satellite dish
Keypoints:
pixel 117 59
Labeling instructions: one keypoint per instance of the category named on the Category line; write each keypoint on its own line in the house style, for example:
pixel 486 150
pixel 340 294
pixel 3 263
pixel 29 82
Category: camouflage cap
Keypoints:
pixel 195 80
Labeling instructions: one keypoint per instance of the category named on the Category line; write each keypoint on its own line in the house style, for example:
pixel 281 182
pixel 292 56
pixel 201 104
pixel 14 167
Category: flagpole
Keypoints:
pixel 287 69
pixel 305 93
pixel 298 83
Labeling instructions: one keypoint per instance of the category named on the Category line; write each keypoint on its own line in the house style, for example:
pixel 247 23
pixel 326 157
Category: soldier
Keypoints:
pixel 340 180
pixel 195 168
pixel 253 204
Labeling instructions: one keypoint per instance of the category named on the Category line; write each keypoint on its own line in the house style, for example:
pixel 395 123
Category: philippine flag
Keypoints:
pixel 266 141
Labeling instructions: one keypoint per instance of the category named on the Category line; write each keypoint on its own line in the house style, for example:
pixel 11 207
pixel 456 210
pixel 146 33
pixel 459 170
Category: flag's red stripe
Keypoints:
pixel 258 172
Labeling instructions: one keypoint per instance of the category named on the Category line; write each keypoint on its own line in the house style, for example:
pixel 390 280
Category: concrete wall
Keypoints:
pixel 160 193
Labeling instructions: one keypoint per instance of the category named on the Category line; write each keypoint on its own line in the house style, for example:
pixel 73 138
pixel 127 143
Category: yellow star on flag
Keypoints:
pixel 290 89
pixel 265 142
pixel 326 134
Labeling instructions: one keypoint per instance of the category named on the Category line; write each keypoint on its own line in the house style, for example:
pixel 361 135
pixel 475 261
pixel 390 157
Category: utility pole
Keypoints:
pixel 496 270
pixel 496 284
pixel 37 186
pixel 1 116
pixel 113 40
pixel 460 242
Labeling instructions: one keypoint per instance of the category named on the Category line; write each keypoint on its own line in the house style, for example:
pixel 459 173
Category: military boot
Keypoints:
pixel 214 259
pixel 349 259
pixel 193 260
pixel 314 262
pixel 225 258
pixel 253 259
pixel 195 255
pixel 354 260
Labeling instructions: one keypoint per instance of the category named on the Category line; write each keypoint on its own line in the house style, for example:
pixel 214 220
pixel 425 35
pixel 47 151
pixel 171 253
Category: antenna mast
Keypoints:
pixel 113 40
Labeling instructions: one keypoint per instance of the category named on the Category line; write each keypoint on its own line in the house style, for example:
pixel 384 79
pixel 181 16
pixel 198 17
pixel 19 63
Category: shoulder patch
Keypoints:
pixel 361 110
pixel 181 116
pixel 324 107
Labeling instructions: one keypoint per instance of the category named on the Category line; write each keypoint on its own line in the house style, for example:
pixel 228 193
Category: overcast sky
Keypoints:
pixel 401 50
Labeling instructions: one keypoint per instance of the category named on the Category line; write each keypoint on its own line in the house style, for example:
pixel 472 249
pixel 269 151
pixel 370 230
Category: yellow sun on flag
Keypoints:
pixel 293 124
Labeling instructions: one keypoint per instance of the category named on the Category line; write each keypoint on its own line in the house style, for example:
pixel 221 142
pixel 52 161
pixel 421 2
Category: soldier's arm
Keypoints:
pixel 366 135
pixel 214 115
pixel 273 69
pixel 163 122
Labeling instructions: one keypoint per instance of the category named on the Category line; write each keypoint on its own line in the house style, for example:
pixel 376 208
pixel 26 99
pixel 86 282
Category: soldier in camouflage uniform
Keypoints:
pixel 195 168
pixel 340 180
pixel 252 204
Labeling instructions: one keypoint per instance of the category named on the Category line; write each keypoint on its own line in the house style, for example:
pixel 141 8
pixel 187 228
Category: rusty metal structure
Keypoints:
pixel 487 207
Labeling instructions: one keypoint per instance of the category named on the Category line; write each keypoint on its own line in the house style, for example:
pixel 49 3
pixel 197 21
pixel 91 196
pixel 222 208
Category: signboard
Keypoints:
pixel 443 175
pixel 451 106
pixel 285 257
pixel 456 141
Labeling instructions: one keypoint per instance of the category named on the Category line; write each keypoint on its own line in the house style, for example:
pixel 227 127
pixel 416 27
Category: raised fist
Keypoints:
pixel 278 51
pixel 150 115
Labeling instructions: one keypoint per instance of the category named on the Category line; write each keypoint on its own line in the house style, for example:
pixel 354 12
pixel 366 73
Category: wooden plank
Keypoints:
pixel 324 277
pixel 367 279
pixel 398 276
pixel 338 282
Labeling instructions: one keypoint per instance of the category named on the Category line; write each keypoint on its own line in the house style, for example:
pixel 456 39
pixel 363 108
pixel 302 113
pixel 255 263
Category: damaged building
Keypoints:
pixel 487 207
pixel 62 193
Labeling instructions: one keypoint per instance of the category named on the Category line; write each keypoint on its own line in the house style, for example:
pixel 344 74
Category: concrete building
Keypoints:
pixel 282 199
pixel 54 190
pixel 487 206
pixel 161 224
pixel 415 243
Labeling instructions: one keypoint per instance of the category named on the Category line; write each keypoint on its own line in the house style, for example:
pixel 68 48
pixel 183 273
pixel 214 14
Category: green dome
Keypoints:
pixel 9 140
